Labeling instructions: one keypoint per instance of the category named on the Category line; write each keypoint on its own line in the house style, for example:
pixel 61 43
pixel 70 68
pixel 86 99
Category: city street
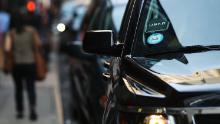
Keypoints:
pixel 48 108
pixel 109 62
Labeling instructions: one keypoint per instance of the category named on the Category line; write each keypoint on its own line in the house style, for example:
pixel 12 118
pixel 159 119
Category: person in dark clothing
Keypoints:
pixel 20 45
pixel 25 73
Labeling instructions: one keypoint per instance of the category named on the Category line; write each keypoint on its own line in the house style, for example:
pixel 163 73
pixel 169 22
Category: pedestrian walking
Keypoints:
pixel 22 43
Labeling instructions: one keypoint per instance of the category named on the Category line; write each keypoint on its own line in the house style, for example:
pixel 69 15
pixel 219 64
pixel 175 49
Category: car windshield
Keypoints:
pixel 108 18
pixel 171 24
pixel 186 28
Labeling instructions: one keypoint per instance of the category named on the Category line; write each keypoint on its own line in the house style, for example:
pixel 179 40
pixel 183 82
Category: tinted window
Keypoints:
pixel 167 24
pixel 95 22
pixel 108 18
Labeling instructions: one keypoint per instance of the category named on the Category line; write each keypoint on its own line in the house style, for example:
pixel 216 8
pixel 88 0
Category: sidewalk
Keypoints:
pixel 48 98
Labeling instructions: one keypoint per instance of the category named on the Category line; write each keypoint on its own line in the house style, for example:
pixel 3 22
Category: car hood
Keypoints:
pixel 199 72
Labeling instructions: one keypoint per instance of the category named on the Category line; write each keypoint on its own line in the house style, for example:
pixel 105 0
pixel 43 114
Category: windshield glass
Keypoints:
pixel 172 24
pixel 168 24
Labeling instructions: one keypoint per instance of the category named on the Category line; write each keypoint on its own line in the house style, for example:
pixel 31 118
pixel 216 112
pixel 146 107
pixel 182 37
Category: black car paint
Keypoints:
pixel 86 69
pixel 182 105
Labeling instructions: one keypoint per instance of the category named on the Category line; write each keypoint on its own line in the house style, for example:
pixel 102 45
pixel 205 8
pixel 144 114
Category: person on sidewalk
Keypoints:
pixel 21 43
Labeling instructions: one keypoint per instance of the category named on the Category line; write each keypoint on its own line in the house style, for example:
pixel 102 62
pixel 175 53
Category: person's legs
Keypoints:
pixel 18 92
pixel 31 90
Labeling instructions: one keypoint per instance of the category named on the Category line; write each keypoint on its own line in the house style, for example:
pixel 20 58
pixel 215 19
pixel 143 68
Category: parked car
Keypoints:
pixel 68 25
pixel 88 87
pixel 166 66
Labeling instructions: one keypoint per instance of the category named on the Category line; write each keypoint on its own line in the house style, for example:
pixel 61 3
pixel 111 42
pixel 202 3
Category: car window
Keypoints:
pixel 155 26
pixel 117 16
pixel 112 21
pixel 94 24
pixel 162 28
pixel 170 24
pixel 194 21
pixel 108 18
pixel 124 24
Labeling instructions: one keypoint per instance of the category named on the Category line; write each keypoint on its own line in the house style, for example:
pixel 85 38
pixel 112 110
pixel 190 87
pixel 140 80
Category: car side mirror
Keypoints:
pixel 101 42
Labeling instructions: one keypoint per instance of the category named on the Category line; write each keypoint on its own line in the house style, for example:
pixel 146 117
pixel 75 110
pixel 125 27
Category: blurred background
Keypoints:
pixel 73 91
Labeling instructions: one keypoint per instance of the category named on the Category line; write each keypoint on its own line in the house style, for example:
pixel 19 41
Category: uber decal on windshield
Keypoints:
pixel 157 25
pixel 155 38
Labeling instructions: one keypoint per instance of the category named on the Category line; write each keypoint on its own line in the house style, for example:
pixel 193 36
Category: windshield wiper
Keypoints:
pixel 186 49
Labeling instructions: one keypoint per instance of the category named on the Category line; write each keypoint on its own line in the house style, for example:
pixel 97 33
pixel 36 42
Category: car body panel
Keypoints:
pixel 156 85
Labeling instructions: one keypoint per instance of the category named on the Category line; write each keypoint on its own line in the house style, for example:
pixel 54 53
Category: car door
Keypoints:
pixel 126 36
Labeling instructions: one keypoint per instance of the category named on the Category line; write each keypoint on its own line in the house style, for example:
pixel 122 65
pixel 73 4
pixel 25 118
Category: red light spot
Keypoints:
pixel 31 6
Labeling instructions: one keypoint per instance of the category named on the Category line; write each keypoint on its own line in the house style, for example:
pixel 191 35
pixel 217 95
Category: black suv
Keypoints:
pixel 88 88
pixel 166 67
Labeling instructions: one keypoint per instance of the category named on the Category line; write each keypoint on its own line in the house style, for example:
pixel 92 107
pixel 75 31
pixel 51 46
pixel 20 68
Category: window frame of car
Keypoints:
pixel 125 21
pixel 141 27
pixel 129 25
pixel 102 13
pixel 94 23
